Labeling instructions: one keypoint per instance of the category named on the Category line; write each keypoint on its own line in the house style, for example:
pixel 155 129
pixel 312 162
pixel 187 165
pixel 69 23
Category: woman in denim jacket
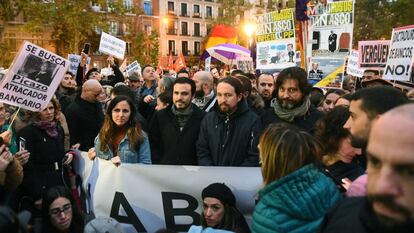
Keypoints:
pixel 121 138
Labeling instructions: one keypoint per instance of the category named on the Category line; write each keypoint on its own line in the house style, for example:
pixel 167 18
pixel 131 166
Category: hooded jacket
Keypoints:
pixel 229 140
pixel 295 203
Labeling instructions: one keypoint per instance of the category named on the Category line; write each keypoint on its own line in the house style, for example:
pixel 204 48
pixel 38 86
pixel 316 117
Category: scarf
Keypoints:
pixel 290 114
pixel 202 101
pixel 50 127
pixel 182 116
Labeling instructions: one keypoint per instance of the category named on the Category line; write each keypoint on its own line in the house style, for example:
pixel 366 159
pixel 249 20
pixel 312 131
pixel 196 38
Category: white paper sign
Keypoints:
pixel 33 78
pixel 400 56
pixel 131 68
pixel 156 196
pixel 74 63
pixel 208 63
pixel 353 67
pixel 112 46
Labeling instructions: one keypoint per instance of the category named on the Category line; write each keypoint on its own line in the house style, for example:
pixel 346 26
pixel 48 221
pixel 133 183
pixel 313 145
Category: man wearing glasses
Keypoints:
pixel 292 104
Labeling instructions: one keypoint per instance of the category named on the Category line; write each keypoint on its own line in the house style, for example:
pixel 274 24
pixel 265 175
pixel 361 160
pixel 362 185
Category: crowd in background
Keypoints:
pixel 335 160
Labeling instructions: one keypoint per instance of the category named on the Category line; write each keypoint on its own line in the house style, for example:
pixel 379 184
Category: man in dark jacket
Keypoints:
pixel 84 116
pixel 229 137
pixel 174 130
pixel 389 206
pixel 292 104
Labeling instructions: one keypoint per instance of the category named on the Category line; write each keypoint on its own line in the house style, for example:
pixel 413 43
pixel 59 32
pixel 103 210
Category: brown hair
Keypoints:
pixel 56 105
pixel 134 131
pixel 285 149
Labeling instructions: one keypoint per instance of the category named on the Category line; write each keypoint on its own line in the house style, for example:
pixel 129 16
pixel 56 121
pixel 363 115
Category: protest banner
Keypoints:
pixel 373 54
pixel 112 46
pixel 400 56
pixel 275 38
pixel 330 38
pixel 33 78
pixel 333 75
pixel 145 198
pixel 245 64
pixel 74 63
pixel 133 67
pixel 352 67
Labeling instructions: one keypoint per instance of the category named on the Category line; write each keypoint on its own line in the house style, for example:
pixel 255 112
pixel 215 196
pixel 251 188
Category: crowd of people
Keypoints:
pixel 339 160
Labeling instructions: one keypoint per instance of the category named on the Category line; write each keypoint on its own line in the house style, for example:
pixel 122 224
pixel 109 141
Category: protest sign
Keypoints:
pixel 373 54
pixel 146 198
pixel 400 56
pixel 330 38
pixel 352 67
pixel 275 38
pixel 245 64
pixel 112 46
pixel 33 78
pixel 133 67
pixel 74 63
pixel 333 72
pixel 208 63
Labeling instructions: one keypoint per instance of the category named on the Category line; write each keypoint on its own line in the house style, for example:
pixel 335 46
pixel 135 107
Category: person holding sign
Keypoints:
pixel 121 138
pixel 47 162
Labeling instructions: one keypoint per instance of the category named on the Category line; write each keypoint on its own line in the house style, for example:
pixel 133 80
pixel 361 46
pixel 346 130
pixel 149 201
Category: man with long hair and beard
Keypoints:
pixel 389 206
pixel 292 104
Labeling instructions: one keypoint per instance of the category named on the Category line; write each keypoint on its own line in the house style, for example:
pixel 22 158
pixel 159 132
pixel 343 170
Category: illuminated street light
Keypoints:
pixel 249 29
pixel 165 20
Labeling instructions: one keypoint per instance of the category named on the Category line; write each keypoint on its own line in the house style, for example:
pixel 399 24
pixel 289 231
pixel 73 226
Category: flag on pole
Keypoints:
pixel 179 63
pixel 170 62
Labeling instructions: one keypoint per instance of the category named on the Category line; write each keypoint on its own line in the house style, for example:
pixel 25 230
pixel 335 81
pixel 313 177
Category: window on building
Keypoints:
pixel 184 9
pixel 148 29
pixel 209 11
pixel 171 7
pixel 113 27
pixel 128 4
pixel 147 7
pixel 184 48
pixel 196 10
pixel 171 28
pixel 184 28
pixel 171 47
pixel 209 28
pixel 196 29
pixel 197 48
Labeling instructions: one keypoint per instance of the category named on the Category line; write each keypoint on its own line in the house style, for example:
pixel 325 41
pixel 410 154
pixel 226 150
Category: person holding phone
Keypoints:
pixel 46 165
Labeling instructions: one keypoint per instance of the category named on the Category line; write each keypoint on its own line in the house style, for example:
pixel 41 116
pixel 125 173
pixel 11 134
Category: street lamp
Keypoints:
pixel 249 30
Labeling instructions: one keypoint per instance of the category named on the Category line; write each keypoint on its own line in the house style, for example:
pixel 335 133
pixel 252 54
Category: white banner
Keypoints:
pixel 146 198
pixel 353 67
pixel 33 78
pixel 208 63
pixel 400 56
pixel 112 46
pixel 74 63
pixel 131 68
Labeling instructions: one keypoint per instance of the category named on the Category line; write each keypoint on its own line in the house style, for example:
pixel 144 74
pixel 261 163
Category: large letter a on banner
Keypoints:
pixel 130 218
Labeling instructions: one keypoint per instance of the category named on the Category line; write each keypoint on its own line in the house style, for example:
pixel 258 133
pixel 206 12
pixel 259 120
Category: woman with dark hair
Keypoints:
pixel 344 100
pixel 220 211
pixel 46 165
pixel 338 153
pixel 297 193
pixel 121 138
pixel 330 98
pixel 59 212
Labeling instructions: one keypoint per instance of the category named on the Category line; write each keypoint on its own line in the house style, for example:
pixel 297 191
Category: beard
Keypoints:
pixel 224 108
pixel 394 225
pixel 199 94
pixel 289 104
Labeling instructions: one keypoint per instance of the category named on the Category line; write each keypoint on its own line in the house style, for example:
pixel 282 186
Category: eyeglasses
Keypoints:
pixel 67 208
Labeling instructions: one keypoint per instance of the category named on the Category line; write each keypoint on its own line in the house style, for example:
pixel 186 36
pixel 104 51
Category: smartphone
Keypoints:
pixel 22 144
pixel 86 48
pixel 337 182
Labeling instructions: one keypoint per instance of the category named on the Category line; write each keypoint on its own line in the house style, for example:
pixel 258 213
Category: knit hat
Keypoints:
pixel 103 224
pixel 221 192
pixel 90 71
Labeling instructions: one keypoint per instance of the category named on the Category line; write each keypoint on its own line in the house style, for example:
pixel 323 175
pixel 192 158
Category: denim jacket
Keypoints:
pixel 125 153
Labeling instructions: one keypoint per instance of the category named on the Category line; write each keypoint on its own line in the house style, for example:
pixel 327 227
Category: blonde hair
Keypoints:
pixel 285 149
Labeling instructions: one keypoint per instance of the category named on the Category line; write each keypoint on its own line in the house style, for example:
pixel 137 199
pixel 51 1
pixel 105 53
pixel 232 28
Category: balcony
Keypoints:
pixel 197 34
pixel 172 31
pixel 184 14
pixel 185 33
pixel 196 15
pixel 171 12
